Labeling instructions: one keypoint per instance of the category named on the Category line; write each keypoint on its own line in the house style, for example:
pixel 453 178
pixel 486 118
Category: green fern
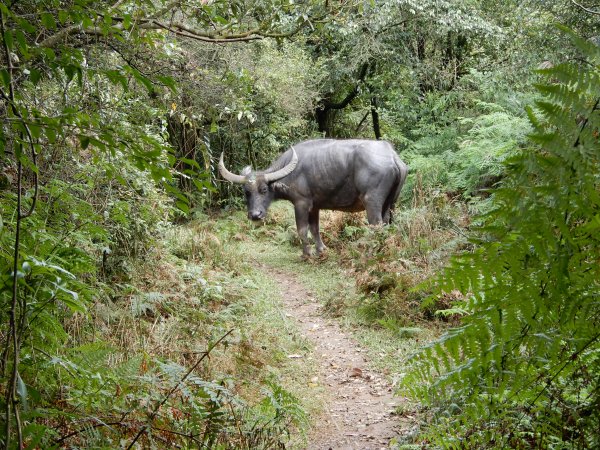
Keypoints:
pixel 523 370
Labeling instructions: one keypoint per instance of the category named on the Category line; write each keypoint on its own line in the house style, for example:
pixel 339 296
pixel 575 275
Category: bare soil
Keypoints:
pixel 360 404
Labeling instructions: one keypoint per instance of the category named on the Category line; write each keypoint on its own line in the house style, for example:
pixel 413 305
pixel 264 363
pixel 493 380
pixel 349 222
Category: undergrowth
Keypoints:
pixel 122 305
pixel 521 370
pixel 390 263
pixel 186 295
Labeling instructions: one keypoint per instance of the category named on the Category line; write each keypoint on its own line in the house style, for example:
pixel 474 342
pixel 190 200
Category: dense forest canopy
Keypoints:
pixel 114 115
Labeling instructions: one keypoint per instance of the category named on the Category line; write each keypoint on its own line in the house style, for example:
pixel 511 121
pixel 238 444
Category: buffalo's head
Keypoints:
pixel 258 185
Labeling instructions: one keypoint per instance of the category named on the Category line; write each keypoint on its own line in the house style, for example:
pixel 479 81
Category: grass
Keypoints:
pixel 334 283
pixel 210 276
pixel 192 287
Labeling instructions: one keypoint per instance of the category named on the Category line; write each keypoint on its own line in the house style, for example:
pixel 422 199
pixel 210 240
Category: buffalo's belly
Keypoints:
pixel 355 207
pixel 345 198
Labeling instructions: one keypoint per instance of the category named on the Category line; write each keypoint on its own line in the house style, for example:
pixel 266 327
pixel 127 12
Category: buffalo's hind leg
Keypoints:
pixel 380 202
pixel 374 211
pixel 388 206
pixel 387 216
pixel 313 222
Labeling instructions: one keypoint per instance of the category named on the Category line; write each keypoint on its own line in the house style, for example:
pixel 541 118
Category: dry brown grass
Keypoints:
pixel 390 264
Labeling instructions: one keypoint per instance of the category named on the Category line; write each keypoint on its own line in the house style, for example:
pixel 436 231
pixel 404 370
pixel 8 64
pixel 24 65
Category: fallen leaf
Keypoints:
pixel 356 372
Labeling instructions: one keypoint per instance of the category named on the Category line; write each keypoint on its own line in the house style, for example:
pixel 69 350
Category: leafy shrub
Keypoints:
pixel 477 162
pixel 492 138
pixel 522 369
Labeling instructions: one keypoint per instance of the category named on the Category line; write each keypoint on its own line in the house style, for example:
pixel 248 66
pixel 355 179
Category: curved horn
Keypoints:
pixel 228 175
pixel 278 174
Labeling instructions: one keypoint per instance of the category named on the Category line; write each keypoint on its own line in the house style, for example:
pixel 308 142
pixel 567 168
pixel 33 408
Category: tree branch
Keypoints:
pixel 588 10
pixel 353 93
pixel 177 28
pixel 389 27
pixel 200 37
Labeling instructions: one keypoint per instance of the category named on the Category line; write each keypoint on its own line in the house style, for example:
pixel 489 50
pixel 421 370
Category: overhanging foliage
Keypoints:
pixel 522 370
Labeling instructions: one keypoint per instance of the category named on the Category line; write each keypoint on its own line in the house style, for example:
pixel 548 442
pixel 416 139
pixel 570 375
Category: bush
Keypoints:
pixel 522 369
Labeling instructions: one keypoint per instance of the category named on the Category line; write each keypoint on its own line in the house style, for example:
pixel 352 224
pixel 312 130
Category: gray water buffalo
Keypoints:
pixel 344 175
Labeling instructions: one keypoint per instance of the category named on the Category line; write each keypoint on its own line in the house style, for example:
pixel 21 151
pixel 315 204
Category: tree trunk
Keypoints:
pixel 183 136
pixel 375 117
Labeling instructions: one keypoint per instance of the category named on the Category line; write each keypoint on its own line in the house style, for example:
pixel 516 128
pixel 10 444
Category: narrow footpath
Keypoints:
pixel 360 404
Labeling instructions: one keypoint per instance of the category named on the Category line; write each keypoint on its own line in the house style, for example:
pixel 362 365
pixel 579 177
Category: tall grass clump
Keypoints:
pixel 389 263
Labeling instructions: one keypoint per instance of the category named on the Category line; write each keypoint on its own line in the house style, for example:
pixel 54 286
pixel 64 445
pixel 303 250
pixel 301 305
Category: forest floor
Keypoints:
pixel 358 408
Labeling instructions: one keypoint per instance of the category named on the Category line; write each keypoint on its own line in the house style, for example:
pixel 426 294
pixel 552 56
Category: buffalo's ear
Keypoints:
pixel 247 171
pixel 279 187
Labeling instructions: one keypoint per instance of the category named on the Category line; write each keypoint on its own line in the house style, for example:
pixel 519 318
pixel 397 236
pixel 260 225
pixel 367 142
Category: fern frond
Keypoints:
pixel 588 48
pixel 531 339
pixel 584 79
pixel 568 97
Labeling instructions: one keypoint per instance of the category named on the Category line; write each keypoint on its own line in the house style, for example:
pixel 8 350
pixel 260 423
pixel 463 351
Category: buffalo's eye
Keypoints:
pixel 263 190
pixel 247 193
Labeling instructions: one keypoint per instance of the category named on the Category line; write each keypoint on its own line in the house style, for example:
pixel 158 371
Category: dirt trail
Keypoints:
pixel 359 414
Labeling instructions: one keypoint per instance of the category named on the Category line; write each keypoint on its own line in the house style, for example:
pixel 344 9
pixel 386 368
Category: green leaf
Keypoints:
pixel 22 41
pixel 87 21
pixel 71 299
pixel 50 55
pixel 5 76
pixel 127 21
pixel 116 77
pixel 22 391
pixel 84 141
pixel 26 26
pixel 190 162
pixel 50 133
pixel 183 206
pixel 141 78
pixel 48 20
pixel 70 71
pixel 168 81
pixel 8 39
pixel 34 75
pixel 63 16
pixel 35 130
pixel 203 185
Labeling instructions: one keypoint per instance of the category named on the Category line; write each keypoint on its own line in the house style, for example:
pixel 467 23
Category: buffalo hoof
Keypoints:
pixel 322 253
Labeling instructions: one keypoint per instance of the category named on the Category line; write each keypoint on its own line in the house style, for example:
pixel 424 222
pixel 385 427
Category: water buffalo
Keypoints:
pixel 344 175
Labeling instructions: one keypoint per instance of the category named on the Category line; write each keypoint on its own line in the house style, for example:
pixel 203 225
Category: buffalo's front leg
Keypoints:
pixel 313 222
pixel 301 212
